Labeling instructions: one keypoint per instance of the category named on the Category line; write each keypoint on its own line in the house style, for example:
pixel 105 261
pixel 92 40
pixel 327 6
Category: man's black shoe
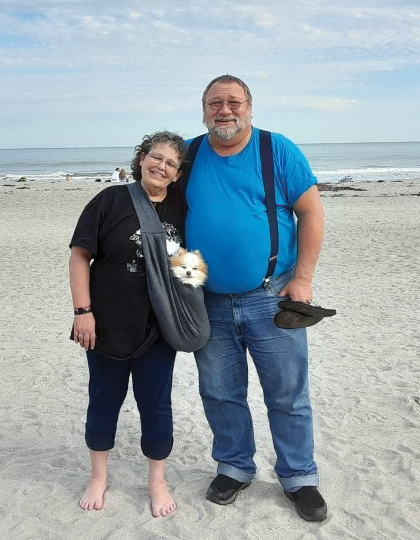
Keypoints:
pixel 309 503
pixel 223 489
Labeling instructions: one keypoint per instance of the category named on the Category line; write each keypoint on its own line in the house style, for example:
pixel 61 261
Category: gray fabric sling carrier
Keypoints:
pixel 179 308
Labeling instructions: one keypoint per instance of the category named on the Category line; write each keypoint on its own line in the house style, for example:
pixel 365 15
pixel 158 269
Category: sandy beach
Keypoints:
pixel 364 373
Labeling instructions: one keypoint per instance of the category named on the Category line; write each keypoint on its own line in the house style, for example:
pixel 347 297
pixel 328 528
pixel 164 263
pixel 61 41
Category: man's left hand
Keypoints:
pixel 298 290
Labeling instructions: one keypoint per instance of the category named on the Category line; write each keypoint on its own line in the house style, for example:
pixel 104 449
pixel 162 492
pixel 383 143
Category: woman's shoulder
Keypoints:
pixel 117 192
pixel 107 198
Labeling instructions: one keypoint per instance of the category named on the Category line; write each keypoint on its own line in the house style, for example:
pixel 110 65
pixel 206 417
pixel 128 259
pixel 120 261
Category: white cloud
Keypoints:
pixel 135 15
pixel 308 101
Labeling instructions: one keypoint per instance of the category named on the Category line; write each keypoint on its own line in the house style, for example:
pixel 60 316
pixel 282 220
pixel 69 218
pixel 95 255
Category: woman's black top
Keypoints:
pixel 109 229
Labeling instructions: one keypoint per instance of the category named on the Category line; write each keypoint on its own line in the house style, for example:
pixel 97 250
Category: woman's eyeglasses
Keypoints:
pixel 170 165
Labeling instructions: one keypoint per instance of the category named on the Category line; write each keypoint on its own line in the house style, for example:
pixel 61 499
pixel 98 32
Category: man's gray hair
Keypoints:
pixel 227 79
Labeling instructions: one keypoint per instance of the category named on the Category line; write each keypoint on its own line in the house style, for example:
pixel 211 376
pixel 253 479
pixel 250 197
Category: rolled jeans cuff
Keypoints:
pixel 296 482
pixel 99 442
pixel 233 472
pixel 156 450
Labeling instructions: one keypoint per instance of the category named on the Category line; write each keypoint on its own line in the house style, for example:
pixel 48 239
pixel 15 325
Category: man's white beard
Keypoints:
pixel 227 133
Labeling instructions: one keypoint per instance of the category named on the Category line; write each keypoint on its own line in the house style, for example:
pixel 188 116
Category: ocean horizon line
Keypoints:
pixel 131 146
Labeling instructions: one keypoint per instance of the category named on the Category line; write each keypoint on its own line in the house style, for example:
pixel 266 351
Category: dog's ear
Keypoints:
pixel 181 251
pixel 197 252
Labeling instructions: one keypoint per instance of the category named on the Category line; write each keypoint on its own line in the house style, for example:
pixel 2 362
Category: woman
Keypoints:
pixel 114 321
pixel 123 176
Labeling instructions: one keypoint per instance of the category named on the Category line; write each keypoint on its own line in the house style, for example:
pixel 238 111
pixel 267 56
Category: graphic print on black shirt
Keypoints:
pixel 173 243
pixel 137 264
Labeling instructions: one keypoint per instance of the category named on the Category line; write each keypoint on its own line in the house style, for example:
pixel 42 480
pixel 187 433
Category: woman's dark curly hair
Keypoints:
pixel 149 141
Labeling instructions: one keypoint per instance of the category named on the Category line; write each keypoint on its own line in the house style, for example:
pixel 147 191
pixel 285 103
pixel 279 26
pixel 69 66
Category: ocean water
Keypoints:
pixel 331 162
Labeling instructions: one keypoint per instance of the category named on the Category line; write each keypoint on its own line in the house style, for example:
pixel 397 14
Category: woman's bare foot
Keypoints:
pixel 162 501
pixel 93 497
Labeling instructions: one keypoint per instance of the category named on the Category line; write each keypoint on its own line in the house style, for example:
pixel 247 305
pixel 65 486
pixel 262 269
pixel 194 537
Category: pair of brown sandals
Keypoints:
pixel 300 314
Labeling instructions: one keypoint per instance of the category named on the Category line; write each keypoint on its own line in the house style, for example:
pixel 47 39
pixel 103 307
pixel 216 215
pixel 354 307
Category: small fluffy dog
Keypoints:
pixel 189 267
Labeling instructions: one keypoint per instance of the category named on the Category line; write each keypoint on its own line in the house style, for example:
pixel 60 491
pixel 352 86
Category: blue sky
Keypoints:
pixel 99 73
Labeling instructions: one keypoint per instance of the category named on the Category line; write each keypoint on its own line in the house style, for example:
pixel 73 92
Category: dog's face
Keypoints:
pixel 189 267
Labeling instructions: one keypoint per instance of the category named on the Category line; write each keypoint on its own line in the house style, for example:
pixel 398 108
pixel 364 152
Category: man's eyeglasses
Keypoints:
pixel 233 104
pixel 169 165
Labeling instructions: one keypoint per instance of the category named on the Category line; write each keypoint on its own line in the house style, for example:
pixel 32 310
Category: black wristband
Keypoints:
pixel 82 310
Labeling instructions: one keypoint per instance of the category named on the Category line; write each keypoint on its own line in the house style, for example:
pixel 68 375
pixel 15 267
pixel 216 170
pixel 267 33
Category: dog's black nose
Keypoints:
pixel 188 272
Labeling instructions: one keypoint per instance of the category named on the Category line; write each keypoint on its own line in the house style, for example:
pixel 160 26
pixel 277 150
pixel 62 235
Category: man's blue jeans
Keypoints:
pixel 242 322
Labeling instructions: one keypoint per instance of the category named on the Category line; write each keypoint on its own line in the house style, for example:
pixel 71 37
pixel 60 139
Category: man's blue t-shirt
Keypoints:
pixel 227 216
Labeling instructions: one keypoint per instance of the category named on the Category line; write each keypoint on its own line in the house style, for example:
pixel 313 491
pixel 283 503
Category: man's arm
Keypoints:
pixel 310 233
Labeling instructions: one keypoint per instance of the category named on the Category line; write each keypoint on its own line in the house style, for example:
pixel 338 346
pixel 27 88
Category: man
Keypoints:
pixel 227 221
pixel 116 175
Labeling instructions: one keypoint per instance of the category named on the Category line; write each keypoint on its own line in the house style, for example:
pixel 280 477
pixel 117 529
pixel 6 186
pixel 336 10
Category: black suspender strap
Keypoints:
pixel 267 169
pixel 186 171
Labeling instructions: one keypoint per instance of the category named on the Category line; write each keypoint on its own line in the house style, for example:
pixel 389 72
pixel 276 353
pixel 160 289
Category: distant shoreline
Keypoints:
pixel 330 162
pixel 132 146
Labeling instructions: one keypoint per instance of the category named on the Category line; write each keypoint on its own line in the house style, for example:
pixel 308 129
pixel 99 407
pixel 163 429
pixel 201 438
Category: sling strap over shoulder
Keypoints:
pixel 267 170
pixel 179 308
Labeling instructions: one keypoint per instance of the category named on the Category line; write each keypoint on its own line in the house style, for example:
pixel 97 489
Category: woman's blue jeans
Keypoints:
pixel 242 322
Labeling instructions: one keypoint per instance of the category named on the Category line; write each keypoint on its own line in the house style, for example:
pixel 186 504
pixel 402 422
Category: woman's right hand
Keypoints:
pixel 84 330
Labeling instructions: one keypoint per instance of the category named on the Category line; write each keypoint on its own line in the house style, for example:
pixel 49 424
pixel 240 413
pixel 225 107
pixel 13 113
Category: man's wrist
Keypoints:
pixel 305 278
pixel 82 310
